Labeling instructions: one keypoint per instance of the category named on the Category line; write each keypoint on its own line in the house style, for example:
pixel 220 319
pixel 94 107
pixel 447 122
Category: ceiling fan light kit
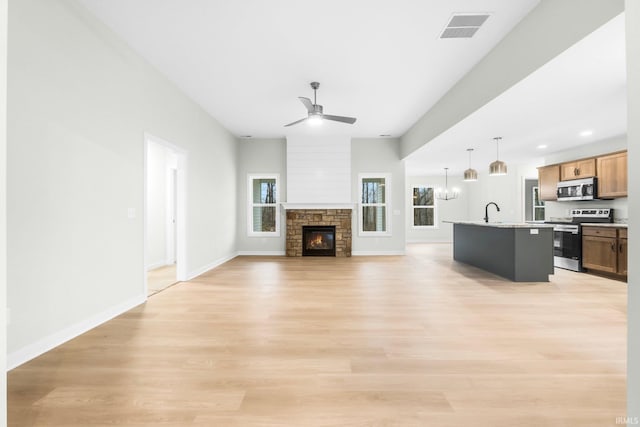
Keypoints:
pixel 470 174
pixel 498 167
pixel 315 114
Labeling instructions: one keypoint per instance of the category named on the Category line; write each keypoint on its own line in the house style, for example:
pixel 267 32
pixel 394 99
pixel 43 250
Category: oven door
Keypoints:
pixel 567 247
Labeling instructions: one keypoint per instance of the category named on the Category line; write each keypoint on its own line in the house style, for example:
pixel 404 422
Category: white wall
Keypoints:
pixel 450 210
pixel 80 102
pixel 507 191
pixel 561 209
pixel 375 155
pixel 633 132
pixel 318 169
pixel 3 209
pixel 261 156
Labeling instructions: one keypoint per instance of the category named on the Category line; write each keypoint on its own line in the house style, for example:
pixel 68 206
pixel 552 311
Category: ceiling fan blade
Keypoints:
pixel 307 103
pixel 343 119
pixel 296 122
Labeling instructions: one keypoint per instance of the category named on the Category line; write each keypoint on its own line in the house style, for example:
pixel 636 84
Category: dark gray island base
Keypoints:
pixel 519 252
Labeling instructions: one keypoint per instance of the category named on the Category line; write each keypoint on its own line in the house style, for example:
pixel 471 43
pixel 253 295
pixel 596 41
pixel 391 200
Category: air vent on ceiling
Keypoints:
pixel 463 26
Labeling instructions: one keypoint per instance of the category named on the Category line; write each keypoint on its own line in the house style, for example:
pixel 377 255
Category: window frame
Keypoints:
pixel 250 205
pixel 386 205
pixel 434 207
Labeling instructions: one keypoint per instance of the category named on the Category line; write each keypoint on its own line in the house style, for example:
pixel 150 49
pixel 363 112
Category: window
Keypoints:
pixel 263 218
pixel 375 204
pixel 538 205
pixel 424 206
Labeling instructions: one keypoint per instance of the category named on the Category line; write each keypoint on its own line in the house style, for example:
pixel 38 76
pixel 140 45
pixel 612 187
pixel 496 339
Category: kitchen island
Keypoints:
pixel 521 252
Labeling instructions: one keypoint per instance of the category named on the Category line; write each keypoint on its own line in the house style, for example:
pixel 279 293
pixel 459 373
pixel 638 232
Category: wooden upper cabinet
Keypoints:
pixel 612 175
pixel 548 177
pixel 578 169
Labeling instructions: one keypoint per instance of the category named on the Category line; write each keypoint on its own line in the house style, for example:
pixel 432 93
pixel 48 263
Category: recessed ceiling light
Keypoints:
pixel 384 135
pixel 245 136
pixel 541 146
pixel 586 133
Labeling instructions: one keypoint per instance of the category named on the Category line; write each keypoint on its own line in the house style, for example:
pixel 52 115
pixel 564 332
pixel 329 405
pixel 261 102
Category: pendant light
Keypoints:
pixel 470 174
pixel 446 194
pixel 498 167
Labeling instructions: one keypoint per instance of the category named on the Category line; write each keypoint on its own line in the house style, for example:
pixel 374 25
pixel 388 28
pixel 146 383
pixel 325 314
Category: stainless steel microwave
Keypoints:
pixel 578 189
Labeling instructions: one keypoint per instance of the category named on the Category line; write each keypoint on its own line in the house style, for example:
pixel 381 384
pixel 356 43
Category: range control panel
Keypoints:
pixel 591 215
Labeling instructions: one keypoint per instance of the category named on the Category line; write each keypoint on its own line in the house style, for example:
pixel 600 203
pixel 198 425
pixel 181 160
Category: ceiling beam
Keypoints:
pixel 550 28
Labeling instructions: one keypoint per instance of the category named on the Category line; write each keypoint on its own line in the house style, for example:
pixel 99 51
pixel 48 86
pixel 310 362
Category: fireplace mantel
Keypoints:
pixel 306 206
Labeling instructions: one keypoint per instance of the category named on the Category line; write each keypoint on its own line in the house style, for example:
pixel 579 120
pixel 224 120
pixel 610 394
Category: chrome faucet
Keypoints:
pixel 486 210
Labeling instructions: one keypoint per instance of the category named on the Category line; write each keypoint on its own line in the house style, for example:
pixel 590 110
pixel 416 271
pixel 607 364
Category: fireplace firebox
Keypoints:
pixel 318 240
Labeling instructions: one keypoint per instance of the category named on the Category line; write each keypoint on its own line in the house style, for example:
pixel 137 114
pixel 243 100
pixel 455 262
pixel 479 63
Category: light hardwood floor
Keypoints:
pixel 417 340
pixel 160 279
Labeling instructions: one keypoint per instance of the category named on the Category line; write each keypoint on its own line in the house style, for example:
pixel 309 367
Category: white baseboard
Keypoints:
pixel 262 253
pixel 155 265
pixel 195 273
pixel 47 343
pixel 443 240
pixel 376 253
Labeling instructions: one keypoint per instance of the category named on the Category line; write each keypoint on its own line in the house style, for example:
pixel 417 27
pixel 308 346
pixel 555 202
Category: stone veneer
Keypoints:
pixel 341 218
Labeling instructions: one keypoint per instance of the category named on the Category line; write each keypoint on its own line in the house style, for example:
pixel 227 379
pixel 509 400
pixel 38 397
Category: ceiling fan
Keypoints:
pixel 315 115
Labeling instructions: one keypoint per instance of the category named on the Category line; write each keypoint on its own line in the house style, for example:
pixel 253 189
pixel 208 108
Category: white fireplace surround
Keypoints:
pixel 318 172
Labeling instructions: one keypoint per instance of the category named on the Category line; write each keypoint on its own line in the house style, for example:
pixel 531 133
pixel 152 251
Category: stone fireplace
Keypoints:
pixel 319 221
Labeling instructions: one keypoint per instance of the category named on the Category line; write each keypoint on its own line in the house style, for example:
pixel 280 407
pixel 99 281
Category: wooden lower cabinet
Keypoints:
pixel 622 251
pixel 604 249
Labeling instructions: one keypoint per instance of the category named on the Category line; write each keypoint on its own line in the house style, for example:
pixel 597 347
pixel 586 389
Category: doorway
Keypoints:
pixel 164 207
pixel 534 209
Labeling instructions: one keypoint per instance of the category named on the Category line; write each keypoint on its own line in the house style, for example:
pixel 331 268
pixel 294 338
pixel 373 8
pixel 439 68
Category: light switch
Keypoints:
pixel 131 213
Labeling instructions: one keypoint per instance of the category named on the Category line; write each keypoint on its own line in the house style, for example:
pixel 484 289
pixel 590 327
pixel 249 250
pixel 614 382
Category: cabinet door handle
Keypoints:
pixel 613 247
pixel 620 247
pixel 575 171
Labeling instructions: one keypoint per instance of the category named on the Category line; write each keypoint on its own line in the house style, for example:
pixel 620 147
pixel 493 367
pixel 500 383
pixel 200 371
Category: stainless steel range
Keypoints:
pixel 567 236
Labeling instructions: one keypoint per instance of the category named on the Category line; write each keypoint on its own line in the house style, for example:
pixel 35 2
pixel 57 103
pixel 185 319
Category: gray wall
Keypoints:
pixel 80 102
pixel 633 132
pixel 367 155
pixel 261 156
pixel 376 155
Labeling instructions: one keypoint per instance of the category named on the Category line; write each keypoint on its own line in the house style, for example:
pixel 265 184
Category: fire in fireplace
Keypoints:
pixel 318 240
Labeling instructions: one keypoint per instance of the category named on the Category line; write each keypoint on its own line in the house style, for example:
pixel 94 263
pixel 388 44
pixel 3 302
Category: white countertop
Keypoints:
pixel 605 224
pixel 503 224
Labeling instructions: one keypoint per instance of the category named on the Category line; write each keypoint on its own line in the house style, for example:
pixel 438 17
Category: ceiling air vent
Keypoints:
pixel 463 26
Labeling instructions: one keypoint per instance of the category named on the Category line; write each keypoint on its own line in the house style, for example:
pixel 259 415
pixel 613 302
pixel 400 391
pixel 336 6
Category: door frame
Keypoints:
pixel 181 207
